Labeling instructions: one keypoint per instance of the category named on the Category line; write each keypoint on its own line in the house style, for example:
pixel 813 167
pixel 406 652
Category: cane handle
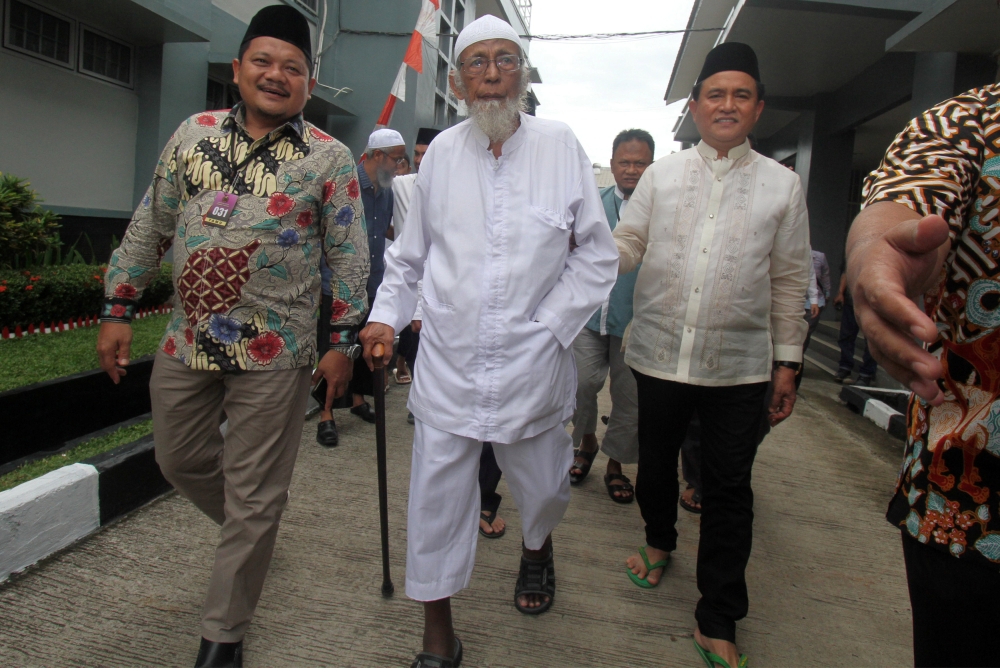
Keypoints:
pixel 378 352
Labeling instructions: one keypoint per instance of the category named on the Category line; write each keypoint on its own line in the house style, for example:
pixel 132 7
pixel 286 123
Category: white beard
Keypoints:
pixel 498 119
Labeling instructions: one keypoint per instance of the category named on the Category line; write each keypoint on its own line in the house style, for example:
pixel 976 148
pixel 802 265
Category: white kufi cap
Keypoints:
pixel 483 28
pixel 385 138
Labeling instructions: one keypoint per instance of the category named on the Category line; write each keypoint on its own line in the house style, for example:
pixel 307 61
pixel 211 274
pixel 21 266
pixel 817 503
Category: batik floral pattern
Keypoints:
pixel 947 162
pixel 247 293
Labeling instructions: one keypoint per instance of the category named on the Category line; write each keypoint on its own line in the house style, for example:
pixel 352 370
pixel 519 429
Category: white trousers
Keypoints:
pixel 442 527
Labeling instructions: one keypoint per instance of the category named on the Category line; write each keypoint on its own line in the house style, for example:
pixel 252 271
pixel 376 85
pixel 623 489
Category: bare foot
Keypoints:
pixel 723 648
pixel 688 497
pixel 497 526
pixel 637 566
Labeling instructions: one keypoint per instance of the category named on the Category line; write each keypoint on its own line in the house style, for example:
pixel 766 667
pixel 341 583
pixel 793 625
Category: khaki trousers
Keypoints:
pixel 240 480
pixel 596 355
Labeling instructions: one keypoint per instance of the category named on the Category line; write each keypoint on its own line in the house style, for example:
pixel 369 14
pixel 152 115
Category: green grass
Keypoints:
pixel 46 356
pixel 83 451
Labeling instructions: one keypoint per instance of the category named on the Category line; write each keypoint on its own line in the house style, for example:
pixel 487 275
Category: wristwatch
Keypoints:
pixel 794 366
pixel 351 351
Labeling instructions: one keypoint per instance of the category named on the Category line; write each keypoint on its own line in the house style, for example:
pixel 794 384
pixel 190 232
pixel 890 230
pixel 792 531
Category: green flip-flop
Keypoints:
pixel 712 660
pixel 643 582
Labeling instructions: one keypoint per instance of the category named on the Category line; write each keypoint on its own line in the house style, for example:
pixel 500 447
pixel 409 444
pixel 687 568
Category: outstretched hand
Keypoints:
pixel 893 258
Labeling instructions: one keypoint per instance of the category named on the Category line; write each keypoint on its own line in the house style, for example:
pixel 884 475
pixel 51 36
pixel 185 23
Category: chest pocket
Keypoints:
pixel 552 219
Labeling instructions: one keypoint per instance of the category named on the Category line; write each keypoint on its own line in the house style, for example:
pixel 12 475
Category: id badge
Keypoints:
pixel 221 210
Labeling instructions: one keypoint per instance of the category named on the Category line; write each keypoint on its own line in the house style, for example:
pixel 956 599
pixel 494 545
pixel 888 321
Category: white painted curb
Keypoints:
pixel 879 412
pixel 47 514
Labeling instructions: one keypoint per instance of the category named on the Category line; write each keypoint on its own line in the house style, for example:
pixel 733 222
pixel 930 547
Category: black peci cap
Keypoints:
pixel 281 22
pixel 730 57
pixel 426 135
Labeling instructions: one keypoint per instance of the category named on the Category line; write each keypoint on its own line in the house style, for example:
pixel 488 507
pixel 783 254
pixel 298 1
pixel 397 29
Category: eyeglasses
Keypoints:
pixel 479 64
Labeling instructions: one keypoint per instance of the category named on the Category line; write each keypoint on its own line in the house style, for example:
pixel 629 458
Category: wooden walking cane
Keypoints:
pixel 378 350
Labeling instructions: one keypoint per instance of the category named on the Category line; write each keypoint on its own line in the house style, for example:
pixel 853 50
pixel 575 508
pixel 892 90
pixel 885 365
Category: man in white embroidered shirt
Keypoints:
pixel 723 236
pixel 493 208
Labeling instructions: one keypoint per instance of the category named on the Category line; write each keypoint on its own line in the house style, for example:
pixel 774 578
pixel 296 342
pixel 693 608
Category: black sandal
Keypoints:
pixel 626 486
pixel 690 506
pixel 536 577
pixel 428 660
pixel 489 518
pixel 585 469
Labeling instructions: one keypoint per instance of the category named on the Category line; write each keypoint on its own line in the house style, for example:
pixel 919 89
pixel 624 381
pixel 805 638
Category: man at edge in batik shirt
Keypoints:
pixel 928 233
pixel 249 200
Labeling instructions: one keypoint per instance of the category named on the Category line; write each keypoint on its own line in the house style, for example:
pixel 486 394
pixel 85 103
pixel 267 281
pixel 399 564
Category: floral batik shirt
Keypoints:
pixel 947 162
pixel 246 293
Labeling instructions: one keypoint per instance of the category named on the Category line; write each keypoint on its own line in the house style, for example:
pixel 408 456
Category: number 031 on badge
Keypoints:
pixel 221 210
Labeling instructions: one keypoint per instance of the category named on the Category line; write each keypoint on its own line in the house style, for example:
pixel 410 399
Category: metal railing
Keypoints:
pixel 524 8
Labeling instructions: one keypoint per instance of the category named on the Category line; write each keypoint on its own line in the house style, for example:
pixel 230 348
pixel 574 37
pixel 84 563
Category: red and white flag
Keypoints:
pixel 425 29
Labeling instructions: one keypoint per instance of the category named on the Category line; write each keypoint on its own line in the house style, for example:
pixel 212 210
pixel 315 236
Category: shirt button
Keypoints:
pixel 711 215
pixel 697 289
pixel 704 250
pixel 719 180
pixel 689 330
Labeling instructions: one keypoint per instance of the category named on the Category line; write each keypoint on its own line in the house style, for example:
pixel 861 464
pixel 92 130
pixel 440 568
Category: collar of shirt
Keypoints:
pixel 619 194
pixel 735 153
pixel 366 183
pixel 509 144
pixel 237 117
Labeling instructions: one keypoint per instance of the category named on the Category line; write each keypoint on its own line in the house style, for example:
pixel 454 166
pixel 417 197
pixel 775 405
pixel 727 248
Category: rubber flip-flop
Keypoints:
pixel 712 660
pixel 490 518
pixel 643 582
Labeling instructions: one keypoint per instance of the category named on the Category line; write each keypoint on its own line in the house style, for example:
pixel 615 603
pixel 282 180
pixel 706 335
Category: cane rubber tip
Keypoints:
pixel 387 589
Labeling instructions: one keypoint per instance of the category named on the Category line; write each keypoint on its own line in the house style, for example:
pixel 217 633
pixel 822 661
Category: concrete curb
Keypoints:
pixel 881 406
pixel 45 515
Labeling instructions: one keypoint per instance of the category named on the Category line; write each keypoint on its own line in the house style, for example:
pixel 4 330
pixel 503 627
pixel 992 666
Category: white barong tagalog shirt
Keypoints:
pixel 725 250
pixel 503 296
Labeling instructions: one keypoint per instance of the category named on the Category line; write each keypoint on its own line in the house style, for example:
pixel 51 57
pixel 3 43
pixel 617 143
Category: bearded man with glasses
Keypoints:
pixel 504 296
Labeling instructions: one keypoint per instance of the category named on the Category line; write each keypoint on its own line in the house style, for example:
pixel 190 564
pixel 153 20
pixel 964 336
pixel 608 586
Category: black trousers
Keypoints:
pixel 489 478
pixel 409 344
pixel 956 608
pixel 730 419
pixel 849 329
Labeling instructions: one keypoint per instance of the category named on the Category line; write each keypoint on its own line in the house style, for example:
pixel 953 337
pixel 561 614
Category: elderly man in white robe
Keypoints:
pixel 493 208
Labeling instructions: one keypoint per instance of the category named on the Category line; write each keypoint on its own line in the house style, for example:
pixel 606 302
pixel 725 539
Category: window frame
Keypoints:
pixel 303 5
pixel 97 75
pixel 73 35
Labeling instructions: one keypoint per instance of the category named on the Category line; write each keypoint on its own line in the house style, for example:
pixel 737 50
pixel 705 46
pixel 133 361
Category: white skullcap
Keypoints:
pixel 483 28
pixel 385 138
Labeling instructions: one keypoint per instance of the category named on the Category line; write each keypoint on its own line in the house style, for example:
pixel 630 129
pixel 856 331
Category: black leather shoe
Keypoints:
pixel 365 412
pixel 219 655
pixel 326 434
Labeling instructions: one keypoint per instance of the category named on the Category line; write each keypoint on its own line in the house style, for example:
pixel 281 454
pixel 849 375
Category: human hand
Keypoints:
pixel 814 310
pixel 338 370
pixel 886 274
pixel 415 325
pixel 783 398
pixel 838 301
pixel 377 332
pixel 114 341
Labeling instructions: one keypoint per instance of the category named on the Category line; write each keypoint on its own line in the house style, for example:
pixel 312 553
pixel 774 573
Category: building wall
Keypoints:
pixel 72 136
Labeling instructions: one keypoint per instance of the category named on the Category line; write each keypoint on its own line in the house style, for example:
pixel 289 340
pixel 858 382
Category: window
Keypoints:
pixel 452 116
pixel 444 42
pixel 440 110
pixel 39 33
pixel 442 74
pixel 221 95
pixel 459 17
pixel 446 8
pixel 311 5
pixel 105 58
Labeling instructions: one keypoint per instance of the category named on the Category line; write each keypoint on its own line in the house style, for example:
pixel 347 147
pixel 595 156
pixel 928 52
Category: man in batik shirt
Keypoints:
pixel 250 199
pixel 929 228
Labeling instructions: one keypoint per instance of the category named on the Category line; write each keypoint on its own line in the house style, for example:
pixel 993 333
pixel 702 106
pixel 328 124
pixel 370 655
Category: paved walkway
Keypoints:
pixel 826 576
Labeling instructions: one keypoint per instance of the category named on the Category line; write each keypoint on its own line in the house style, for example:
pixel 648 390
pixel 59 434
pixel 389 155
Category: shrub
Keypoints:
pixel 28 233
pixel 51 294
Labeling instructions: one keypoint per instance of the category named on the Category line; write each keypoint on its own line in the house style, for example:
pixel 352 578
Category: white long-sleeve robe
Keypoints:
pixel 503 296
